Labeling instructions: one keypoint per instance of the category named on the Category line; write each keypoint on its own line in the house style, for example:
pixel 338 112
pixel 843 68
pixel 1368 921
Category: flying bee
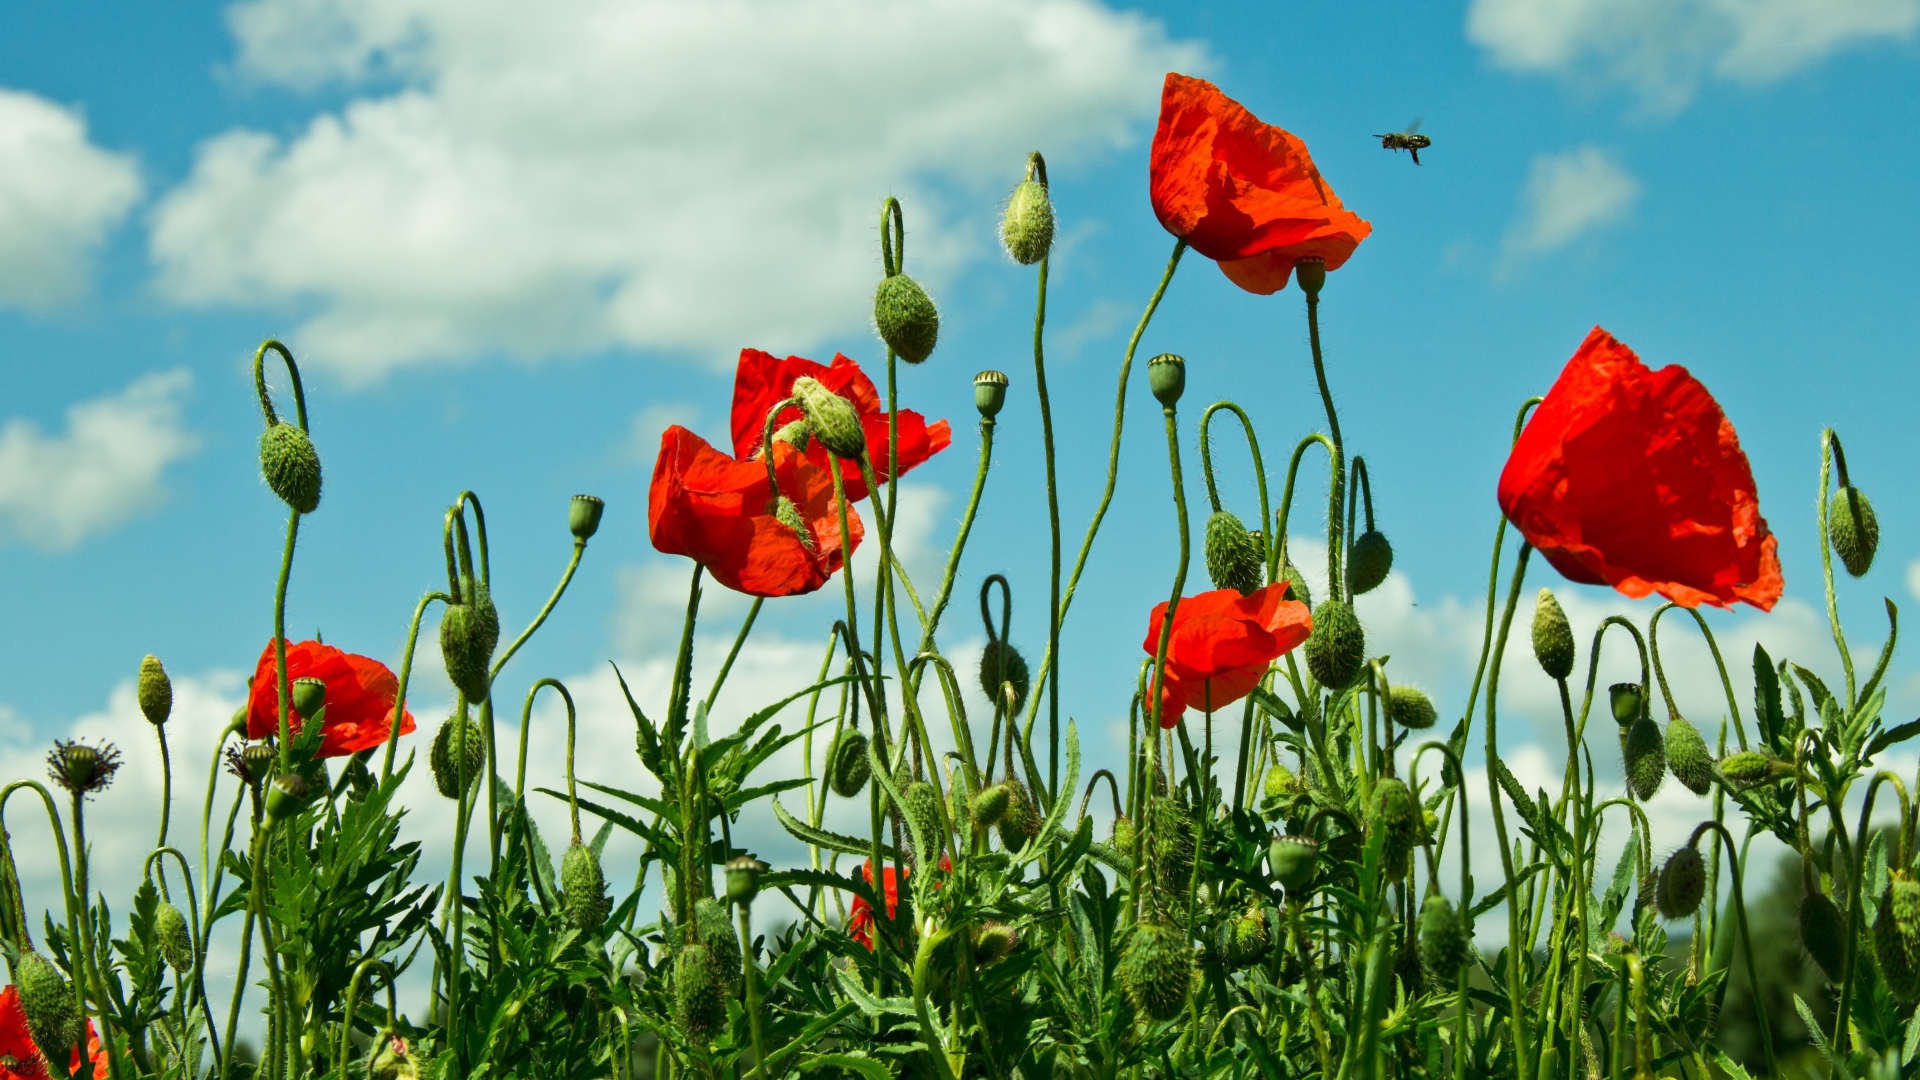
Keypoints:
pixel 1409 140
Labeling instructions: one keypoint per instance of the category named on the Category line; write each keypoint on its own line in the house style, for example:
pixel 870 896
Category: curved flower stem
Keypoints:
pixel 1829 448
pixel 197 977
pixel 1726 683
pixel 344 1052
pixel 1054 614
pixel 1336 492
pixel 1840 1027
pixel 166 795
pixel 293 533
pixel 526 720
pixel 1113 469
pixel 1746 938
pixel 1277 559
pixel 1494 793
pixel 1582 879
pixel 960 539
pixel 456 891
pixel 1593 665
pixel 406 676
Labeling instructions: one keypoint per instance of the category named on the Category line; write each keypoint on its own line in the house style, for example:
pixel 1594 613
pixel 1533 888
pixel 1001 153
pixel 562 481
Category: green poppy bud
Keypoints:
pixel 1896 936
pixel 1645 755
pixel 743 879
pixel 175 939
pixel 990 806
pixel 906 318
pixel 1311 272
pixel 583 887
pixel 1626 700
pixel 285 797
pixel 1172 840
pixel 723 949
pixel 1396 812
pixel 1296 584
pixel 847 764
pixel 990 393
pixel 832 418
pixel 1021 822
pixel 1280 783
pixel 1027 227
pixel 459 753
pixel 1410 707
pixel 1444 946
pixel 583 516
pixel 1823 931
pixel 291 466
pixel 1371 559
pixel 53 1011
pixel 1337 646
pixel 1746 768
pixel 1000 664
pixel 1235 560
pixel 920 804
pixel 1156 970
pixel 1293 860
pixel 1683 882
pixel 786 513
pixel 1852 530
pixel 1245 939
pixel 1688 756
pixel 699 1006
pixel 1553 637
pixel 1167 378
pixel 154 691
pixel 469 631
pixel 994 942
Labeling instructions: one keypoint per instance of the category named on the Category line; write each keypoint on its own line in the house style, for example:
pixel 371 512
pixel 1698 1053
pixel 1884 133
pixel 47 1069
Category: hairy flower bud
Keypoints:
pixel 1444 946
pixel 1235 560
pixel 920 805
pixel 1371 559
pixel 154 691
pixel 1244 939
pixel 1896 936
pixel 1746 768
pixel 1688 756
pixel 832 418
pixel 1002 664
pixel 994 942
pixel 457 756
pixel 583 516
pixel 1337 646
pixel 1410 707
pixel 53 1011
pixel 1823 931
pixel 469 631
pixel 1123 836
pixel 175 939
pixel 1296 584
pixel 1853 530
pixel 583 887
pixel 990 393
pixel 1396 813
pixel 1645 755
pixel 699 1006
pixel 291 466
pixel 1171 835
pixel 1027 227
pixel 1552 636
pixel 1156 970
pixel 847 764
pixel 1280 783
pixel 1626 700
pixel 1021 822
pixel 786 513
pixel 990 806
pixel 1167 378
pixel 906 318
pixel 1683 882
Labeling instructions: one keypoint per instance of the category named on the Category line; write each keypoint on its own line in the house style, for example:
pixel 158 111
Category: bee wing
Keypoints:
pixel 1415 126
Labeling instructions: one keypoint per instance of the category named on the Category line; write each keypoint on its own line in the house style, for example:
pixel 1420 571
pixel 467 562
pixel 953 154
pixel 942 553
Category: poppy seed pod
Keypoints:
pixel 1000 664
pixel 1337 647
pixel 1410 707
pixel 1688 757
pixel 990 806
pixel 174 937
pixel 1823 931
pixel 743 879
pixel 1311 273
pixel 1626 699
pixel 1235 560
pixel 1167 378
pixel 154 691
pixel 457 756
pixel 1853 530
pixel 258 759
pixel 833 419
pixel 847 764
pixel 1292 860
pixel 990 393
pixel 583 887
pixel 308 696
pixel 1552 636
pixel 1645 755
pixel 285 797
pixel 1896 936
pixel 906 318
pixel 1746 768
pixel 53 1011
pixel 1156 970
pixel 291 466
pixel 1027 227
pixel 786 513
pixel 1444 946
pixel 82 769
pixel 469 631
pixel 699 1006
pixel 583 516
pixel 1683 882
pixel 1371 559
pixel 994 942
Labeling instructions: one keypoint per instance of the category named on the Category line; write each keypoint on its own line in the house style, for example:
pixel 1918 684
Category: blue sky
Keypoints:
pixel 509 248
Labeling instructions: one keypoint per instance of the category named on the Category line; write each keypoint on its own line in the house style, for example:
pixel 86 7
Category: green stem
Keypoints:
pixel 1179 575
pixel 1053 523
pixel 281 683
pixel 966 529
pixel 1336 491
pixel 1513 902
pixel 746 627
pixel 1829 443
pixel 930 940
pixel 751 972
pixel 406 676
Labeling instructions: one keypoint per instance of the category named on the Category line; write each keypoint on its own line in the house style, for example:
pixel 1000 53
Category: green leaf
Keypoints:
pixel 667 811
pixel 1893 736
pixel 1886 650
pixel 1766 699
pixel 1819 1038
pixel 832 841
pixel 631 824
pixel 1492 900
pixel 868 1068
pixel 1816 689
pixel 1033 850
pixel 1271 704
pixel 869 1004
pixel 852 883
pixel 646 738
pixel 1727 1065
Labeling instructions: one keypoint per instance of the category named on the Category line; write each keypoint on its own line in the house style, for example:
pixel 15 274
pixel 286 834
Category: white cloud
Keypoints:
pixel 689 177
pixel 1569 195
pixel 1664 49
pixel 59 196
pixel 56 490
pixel 1913 578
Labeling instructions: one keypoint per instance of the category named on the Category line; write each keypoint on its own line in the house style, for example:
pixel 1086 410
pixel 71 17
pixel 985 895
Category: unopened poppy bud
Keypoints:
pixel 469 631
pixel 1645 755
pixel 583 887
pixel 1293 860
pixel 1553 637
pixel 1688 756
pixel 1280 783
pixel 798 434
pixel 1823 932
pixel 174 937
pixel 82 769
pixel 309 697
pixel 1410 707
pixel 53 1011
pixel 285 798
pixel 1626 699
pixel 583 516
pixel 994 942
pixel 1372 558
pixel 786 513
pixel 1244 938
pixel 1311 272
pixel 743 879
pixel 457 756
pixel 1296 584
pixel 1337 646
pixel 1123 835
pixel 990 393
pixel 1444 945
pixel 1896 936
pixel 1234 559
pixel 1001 665
pixel 1853 530
pixel 1156 970
pixel 1027 227
pixel 847 764
pixel 1683 882
pixel 723 949
pixel 906 318
pixel 1167 378
pixel 1021 822
pixel 154 691
pixel 920 805
pixel 1746 768
pixel 291 466
pixel 699 1006
pixel 990 806
pixel 1396 812
pixel 835 422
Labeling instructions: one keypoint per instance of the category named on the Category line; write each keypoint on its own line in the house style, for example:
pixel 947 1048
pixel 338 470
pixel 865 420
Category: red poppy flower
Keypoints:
pixel 762 381
pixel 860 915
pixel 718 511
pixel 360 693
pixel 1243 193
pixel 1221 645
pixel 20 1059
pixel 1634 478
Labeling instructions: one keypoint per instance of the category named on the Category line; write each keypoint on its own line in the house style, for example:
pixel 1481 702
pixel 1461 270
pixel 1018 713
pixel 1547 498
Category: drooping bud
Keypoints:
pixel 1369 563
pixel 920 804
pixel 285 798
pixel 1337 646
pixel 1280 783
pixel 1167 378
pixel 1410 707
pixel 175 939
pixel 1896 936
pixel 54 1019
pixel 723 949
pixel 1000 664
pixel 1823 931
pixel 1688 756
pixel 1746 768
pixel 1156 970
pixel 743 879
pixel 1027 227
pixel 906 318
pixel 1293 860
pixel 834 420
pixel 1244 938
pixel 1398 815
pixel 469 631
pixel 1444 947
pixel 990 806
pixel 1311 272
pixel 786 513
pixel 990 393
pixel 1626 699
pixel 308 696
pixel 154 691
pixel 1234 559
pixel 1683 882
pixel 1645 755
pixel 994 942
pixel 1853 530
pixel 1021 822
pixel 583 887
pixel 583 516
pixel 1553 637
pixel 82 769
pixel 291 466
pixel 699 1006
pixel 1296 584
pixel 798 434
pixel 458 755
pixel 847 764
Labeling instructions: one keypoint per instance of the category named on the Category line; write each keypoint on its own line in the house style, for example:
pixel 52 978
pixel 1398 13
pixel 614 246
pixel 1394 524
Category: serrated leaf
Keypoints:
pixel 1727 1065
pixel 1893 736
pixel 1766 699
pixel 1819 1038
pixel 832 841
pixel 1493 899
pixel 871 1005
pixel 1033 849
pixel 646 738
pixel 868 1068
pixel 1816 689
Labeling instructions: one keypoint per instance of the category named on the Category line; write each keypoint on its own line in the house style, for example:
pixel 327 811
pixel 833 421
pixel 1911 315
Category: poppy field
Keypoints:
pixel 1299 901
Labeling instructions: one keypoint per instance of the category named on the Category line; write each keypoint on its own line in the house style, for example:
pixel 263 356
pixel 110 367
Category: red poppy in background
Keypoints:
pixel 1221 645
pixel 1243 193
pixel 762 381
pixel 718 511
pixel 860 915
pixel 20 1059
pixel 360 693
pixel 1634 478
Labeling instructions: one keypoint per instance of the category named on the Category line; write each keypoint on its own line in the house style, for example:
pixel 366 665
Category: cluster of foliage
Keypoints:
pixel 1278 914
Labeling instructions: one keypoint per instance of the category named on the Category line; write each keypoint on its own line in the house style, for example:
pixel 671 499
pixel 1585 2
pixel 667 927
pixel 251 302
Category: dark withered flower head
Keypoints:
pixel 237 763
pixel 81 768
